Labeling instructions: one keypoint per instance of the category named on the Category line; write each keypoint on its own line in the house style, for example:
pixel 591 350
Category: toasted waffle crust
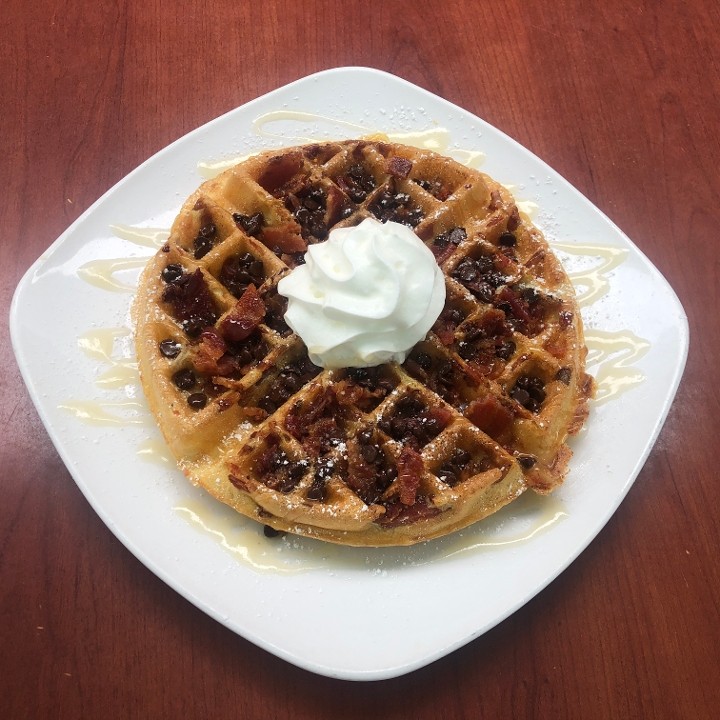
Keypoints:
pixel 393 455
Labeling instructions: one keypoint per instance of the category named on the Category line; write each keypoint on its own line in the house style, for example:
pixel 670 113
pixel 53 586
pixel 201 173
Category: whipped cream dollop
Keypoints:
pixel 365 296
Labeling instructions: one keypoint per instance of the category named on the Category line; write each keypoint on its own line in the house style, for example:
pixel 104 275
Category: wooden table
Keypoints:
pixel 622 99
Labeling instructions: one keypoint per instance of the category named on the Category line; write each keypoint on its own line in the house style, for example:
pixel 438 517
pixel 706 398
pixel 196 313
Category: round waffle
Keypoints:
pixel 392 455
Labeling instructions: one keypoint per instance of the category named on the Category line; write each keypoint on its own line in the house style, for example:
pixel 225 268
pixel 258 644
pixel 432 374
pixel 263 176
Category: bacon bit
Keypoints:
pixel 557 345
pixel 361 474
pixel 316 423
pixel 398 514
pixel 495 200
pixel 514 219
pixel 279 170
pixel 208 352
pixel 537 257
pixel 410 471
pixel 505 264
pixel 285 238
pixel 490 415
pixel 239 483
pixel 191 300
pixel 242 320
pixel 334 205
pixel 439 414
pixel 399 167
pixel 445 326
pixel 442 253
pixel 517 306
pixel 253 414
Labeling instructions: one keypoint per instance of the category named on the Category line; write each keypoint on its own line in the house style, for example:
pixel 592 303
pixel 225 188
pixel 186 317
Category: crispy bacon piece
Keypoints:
pixel 491 416
pixel 398 514
pixel 446 325
pixel 242 320
pixel 399 167
pixel 210 356
pixel 280 170
pixel 316 424
pixel 410 471
pixel 191 302
pixel 334 205
pixel 285 238
pixel 361 474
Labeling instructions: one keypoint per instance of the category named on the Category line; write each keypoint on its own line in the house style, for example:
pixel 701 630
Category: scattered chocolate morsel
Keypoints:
pixel 435 187
pixel 564 375
pixel 529 391
pixel 288 381
pixel 454 236
pixel 526 461
pixel 205 240
pixel 271 532
pixel 308 206
pixel 479 276
pixel 192 302
pixel 171 273
pixel 184 379
pixel 423 360
pixel 357 183
pixel 249 224
pixel 507 239
pixel 505 349
pixel 395 206
pixel 170 348
pixel 165 248
pixel 197 401
pixel 318 489
pixel 239 271
pixel 452 469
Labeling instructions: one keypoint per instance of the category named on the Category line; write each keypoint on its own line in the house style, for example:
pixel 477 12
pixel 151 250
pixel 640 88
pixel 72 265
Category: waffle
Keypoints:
pixel 391 455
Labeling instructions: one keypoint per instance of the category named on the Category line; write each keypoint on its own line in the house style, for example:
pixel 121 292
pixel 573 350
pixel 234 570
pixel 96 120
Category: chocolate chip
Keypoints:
pixel 170 348
pixel 526 461
pixel 171 273
pixel 197 401
pixel 250 224
pixel 529 391
pixel 505 349
pixel 564 375
pixel 507 239
pixel 271 532
pixel 184 379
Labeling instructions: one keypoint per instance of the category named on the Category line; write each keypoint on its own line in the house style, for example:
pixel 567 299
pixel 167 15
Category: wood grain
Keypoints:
pixel 621 98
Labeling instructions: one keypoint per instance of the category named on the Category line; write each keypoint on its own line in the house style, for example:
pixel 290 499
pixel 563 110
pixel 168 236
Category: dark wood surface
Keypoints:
pixel 622 98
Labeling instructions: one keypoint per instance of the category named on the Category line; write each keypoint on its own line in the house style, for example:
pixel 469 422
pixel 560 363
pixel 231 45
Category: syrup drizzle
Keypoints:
pixel 531 515
pixel 614 354
pixel 592 283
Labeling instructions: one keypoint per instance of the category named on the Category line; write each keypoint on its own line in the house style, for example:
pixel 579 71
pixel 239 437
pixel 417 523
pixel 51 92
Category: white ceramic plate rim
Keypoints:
pixel 341 647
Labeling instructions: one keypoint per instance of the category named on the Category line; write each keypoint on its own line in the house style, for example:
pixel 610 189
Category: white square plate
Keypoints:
pixel 342 612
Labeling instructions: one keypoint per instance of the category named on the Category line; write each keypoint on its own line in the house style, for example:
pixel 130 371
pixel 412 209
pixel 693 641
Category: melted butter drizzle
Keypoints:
pixel 121 372
pixel 614 355
pixel 144 237
pixel 155 451
pixel 244 538
pixel 102 272
pixel 593 283
pixel 103 412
